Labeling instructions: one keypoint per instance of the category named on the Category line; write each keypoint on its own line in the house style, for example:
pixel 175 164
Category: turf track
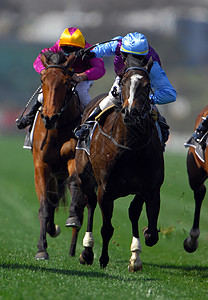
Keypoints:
pixel 168 271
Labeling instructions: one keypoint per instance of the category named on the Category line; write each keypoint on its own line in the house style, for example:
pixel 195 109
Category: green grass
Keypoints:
pixel 168 271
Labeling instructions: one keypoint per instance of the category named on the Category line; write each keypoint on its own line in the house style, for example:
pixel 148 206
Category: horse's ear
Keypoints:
pixel 149 65
pixel 70 60
pixel 44 60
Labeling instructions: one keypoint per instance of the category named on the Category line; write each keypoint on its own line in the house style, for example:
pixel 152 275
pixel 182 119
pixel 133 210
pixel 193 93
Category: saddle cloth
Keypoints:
pixel 28 143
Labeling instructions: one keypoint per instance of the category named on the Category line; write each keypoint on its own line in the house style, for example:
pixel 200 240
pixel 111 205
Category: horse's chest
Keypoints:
pixel 51 154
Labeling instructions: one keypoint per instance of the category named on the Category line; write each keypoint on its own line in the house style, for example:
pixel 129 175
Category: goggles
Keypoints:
pixel 69 49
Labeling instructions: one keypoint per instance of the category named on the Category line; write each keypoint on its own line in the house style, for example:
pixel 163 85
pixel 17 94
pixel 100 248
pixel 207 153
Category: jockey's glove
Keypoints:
pixel 79 77
pixel 85 53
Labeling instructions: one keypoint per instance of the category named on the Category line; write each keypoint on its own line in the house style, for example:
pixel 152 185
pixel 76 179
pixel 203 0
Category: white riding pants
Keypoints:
pixel 108 100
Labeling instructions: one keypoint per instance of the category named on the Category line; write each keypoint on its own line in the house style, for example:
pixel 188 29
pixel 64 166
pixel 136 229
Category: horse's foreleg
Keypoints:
pixel 107 229
pixel 135 209
pixel 41 174
pixel 87 255
pixel 152 210
pixel 197 176
pixel 191 243
pixel 52 194
pixel 73 245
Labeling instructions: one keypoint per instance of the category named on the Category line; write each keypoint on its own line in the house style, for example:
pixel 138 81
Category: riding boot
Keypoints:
pixel 201 130
pixel 164 127
pixel 82 131
pixel 29 118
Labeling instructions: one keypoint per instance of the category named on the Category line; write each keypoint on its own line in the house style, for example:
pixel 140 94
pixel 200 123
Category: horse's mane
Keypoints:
pixel 55 58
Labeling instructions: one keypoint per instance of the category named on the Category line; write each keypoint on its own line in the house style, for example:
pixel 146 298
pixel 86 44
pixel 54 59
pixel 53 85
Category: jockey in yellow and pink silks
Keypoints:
pixel 85 71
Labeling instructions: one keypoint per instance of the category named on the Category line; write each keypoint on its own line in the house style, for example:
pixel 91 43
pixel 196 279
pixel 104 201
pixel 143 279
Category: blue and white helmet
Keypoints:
pixel 135 43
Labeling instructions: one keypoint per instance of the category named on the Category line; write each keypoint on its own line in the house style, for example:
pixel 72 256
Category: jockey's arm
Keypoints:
pixel 164 92
pixel 107 49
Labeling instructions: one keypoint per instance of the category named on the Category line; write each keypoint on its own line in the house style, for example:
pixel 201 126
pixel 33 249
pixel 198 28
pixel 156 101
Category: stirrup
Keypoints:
pixel 82 132
pixel 200 137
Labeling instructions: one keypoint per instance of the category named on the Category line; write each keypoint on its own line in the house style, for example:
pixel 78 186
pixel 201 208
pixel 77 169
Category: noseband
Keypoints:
pixel 51 123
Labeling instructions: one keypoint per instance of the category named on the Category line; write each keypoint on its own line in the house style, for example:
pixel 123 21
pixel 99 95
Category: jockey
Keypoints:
pixel 85 71
pixel 137 45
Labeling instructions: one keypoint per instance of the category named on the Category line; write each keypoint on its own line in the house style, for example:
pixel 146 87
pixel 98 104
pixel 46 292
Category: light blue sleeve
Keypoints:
pixel 163 91
pixel 107 49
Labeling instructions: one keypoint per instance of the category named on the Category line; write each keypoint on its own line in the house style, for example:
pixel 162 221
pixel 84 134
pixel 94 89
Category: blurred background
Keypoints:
pixel 177 30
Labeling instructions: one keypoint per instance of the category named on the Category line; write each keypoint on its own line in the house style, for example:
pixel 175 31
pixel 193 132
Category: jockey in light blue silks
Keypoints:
pixel 137 45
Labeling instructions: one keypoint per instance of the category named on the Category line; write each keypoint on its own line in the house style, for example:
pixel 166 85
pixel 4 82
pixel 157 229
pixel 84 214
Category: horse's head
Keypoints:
pixel 56 86
pixel 135 91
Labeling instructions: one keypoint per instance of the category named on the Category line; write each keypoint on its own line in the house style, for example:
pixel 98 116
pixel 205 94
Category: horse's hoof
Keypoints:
pixel 104 262
pixel 81 260
pixel 84 261
pixel 134 268
pixel 135 263
pixel 190 248
pixel 73 222
pixel 41 255
pixel 57 231
pixel 150 238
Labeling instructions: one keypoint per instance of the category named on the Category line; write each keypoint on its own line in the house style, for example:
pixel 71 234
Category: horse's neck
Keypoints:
pixel 73 111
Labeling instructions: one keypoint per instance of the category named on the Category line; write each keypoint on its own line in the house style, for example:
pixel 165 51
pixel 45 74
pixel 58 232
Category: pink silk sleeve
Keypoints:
pixel 97 69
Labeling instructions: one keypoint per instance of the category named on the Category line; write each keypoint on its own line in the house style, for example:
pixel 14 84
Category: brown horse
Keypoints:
pixel 125 158
pixel 197 174
pixel 54 144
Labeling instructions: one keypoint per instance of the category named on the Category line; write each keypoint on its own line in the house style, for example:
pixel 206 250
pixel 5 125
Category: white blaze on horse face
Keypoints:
pixel 134 79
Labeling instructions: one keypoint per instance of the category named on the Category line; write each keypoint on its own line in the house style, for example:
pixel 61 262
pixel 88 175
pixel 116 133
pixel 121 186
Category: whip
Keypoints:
pixel 26 106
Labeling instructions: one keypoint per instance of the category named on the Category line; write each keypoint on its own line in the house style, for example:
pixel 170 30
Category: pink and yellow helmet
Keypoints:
pixel 72 37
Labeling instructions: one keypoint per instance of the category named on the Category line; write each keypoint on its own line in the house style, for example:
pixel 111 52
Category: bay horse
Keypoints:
pixel 126 157
pixel 197 175
pixel 54 144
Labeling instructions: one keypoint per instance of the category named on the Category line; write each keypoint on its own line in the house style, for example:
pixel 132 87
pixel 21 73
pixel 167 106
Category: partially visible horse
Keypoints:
pixel 125 158
pixel 54 144
pixel 197 174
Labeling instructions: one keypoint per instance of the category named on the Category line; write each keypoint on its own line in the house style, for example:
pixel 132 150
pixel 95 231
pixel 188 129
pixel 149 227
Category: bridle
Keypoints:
pixel 142 112
pixel 51 123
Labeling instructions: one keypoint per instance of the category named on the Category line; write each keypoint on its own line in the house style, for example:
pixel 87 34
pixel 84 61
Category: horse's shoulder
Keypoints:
pixel 93 104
